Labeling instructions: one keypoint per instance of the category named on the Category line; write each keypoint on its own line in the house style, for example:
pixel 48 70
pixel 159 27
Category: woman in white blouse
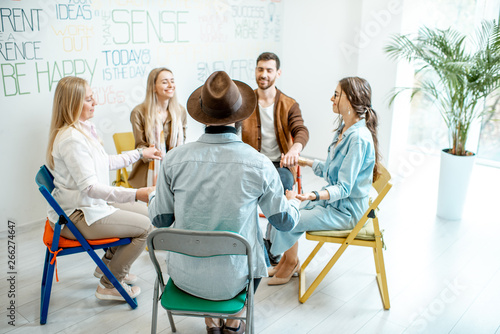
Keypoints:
pixel 81 168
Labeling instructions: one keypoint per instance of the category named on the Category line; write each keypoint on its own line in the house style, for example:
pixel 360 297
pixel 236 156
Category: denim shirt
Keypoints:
pixel 348 170
pixel 216 184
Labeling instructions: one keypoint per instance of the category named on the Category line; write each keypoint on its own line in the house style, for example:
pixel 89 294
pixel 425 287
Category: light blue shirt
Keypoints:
pixel 216 184
pixel 348 170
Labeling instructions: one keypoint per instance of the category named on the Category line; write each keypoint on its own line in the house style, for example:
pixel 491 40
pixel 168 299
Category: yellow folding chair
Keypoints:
pixel 366 236
pixel 124 141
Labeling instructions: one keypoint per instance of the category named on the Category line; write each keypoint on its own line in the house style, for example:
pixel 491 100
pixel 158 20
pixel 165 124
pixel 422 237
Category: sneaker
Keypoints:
pixel 129 279
pixel 104 293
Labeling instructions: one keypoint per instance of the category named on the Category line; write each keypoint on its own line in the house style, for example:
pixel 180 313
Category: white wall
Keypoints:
pixel 117 40
pixel 379 21
pixel 330 40
pixel 313 62
pixel 319 42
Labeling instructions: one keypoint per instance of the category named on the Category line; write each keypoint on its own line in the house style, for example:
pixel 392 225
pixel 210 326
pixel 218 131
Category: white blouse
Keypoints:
pixel 81 174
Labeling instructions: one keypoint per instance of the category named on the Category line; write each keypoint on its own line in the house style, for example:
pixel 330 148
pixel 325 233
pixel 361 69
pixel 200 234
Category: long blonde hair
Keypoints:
pixel 150 109
pixel 66 109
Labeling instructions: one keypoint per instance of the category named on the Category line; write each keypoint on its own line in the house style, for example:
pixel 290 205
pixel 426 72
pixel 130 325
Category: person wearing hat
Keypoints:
pixel 216 184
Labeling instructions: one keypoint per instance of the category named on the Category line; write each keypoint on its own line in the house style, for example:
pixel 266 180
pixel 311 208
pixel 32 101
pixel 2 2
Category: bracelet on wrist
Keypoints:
pixel 140 152
pixel 317 195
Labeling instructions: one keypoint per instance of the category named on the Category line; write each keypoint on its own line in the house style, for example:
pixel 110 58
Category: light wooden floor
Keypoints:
pixel 444 276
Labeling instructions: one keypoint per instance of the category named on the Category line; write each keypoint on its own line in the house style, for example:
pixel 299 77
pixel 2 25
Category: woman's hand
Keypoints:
pixel 303 162
pixel 306 197
pixel 151 153
pixel 142 194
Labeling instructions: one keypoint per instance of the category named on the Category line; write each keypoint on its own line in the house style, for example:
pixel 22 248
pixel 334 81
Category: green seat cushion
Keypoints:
pixel 175 299
pixel 366 233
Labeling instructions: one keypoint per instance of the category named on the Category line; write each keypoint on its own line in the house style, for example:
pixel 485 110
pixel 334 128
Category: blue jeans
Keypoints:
pixel 287 181
pixel 286 177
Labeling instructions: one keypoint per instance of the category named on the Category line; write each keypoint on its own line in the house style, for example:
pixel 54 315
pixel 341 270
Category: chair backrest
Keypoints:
pixel 124 141
pixel 383 178
pixel 198 243
pixel 45 178
pixel 45 181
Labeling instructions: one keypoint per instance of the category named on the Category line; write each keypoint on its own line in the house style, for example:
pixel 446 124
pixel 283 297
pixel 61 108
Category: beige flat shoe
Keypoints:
pixel 104 293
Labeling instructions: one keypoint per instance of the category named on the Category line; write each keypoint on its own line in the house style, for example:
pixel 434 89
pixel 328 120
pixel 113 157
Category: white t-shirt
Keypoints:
pixel 269 146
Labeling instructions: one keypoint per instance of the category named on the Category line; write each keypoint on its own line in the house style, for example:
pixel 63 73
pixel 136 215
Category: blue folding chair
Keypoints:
pixel 60 246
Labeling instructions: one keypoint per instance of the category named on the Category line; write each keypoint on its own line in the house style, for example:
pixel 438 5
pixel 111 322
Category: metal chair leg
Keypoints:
pixel 155 308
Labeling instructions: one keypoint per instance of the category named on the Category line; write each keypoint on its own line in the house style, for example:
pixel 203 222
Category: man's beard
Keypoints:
pixel 266 84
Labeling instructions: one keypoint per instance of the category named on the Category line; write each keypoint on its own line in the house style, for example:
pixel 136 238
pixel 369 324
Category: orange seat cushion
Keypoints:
pixel 48 235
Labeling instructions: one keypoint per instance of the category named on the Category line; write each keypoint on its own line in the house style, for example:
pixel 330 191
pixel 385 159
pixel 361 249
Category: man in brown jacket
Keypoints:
pixel 275 128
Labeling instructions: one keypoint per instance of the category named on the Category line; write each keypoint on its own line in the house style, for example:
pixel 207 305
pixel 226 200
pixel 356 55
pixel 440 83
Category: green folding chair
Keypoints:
pixel 199 244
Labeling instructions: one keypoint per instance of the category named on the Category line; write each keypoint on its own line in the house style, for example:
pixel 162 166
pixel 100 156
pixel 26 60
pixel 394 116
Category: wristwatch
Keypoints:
pixel 140 152
pixel 317 195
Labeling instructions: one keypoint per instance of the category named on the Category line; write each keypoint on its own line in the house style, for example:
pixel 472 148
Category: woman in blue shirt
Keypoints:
pixel 349 169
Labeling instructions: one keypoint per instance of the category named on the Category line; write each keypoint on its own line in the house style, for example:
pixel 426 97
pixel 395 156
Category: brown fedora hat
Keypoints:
pixel 221 100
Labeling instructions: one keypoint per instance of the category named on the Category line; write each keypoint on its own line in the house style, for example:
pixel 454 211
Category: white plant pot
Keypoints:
pixel 454 176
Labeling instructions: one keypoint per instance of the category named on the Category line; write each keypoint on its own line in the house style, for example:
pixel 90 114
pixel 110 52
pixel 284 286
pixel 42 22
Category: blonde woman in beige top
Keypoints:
pixel 159 121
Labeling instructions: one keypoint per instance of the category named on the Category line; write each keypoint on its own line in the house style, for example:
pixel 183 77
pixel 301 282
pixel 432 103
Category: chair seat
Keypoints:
pixel 48 235
pixel 366 233
pixel 174 298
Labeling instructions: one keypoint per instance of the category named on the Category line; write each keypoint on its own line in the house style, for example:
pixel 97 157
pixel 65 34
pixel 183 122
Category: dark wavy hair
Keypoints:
pixel 359 94
pixel 269 56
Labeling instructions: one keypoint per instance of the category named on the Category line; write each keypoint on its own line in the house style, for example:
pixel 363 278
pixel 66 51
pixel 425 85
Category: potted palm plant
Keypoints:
pixel 457 73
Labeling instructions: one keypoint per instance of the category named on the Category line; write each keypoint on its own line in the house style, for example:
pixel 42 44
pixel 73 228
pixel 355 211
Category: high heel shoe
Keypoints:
pixel 283 280
pixel 273 270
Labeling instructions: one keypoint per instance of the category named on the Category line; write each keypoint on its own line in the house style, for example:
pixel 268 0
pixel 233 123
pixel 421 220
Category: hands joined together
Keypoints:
pixel 290 194
pixel 151 153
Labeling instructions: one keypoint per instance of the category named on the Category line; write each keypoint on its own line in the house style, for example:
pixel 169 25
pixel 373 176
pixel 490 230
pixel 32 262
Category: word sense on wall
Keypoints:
pixel 113 44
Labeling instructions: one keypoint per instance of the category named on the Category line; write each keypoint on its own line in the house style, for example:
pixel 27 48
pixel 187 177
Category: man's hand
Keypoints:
pixel 291 194
pixel 291 158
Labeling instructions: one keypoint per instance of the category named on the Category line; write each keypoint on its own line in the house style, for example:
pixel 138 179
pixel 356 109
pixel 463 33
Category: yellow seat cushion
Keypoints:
pixel 366 233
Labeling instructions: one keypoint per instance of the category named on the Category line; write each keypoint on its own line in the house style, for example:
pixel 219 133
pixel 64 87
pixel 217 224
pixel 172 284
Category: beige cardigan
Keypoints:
pixel 138 176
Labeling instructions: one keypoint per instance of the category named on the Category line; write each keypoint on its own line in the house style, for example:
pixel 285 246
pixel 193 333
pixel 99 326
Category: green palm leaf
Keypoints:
pixel 454 72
